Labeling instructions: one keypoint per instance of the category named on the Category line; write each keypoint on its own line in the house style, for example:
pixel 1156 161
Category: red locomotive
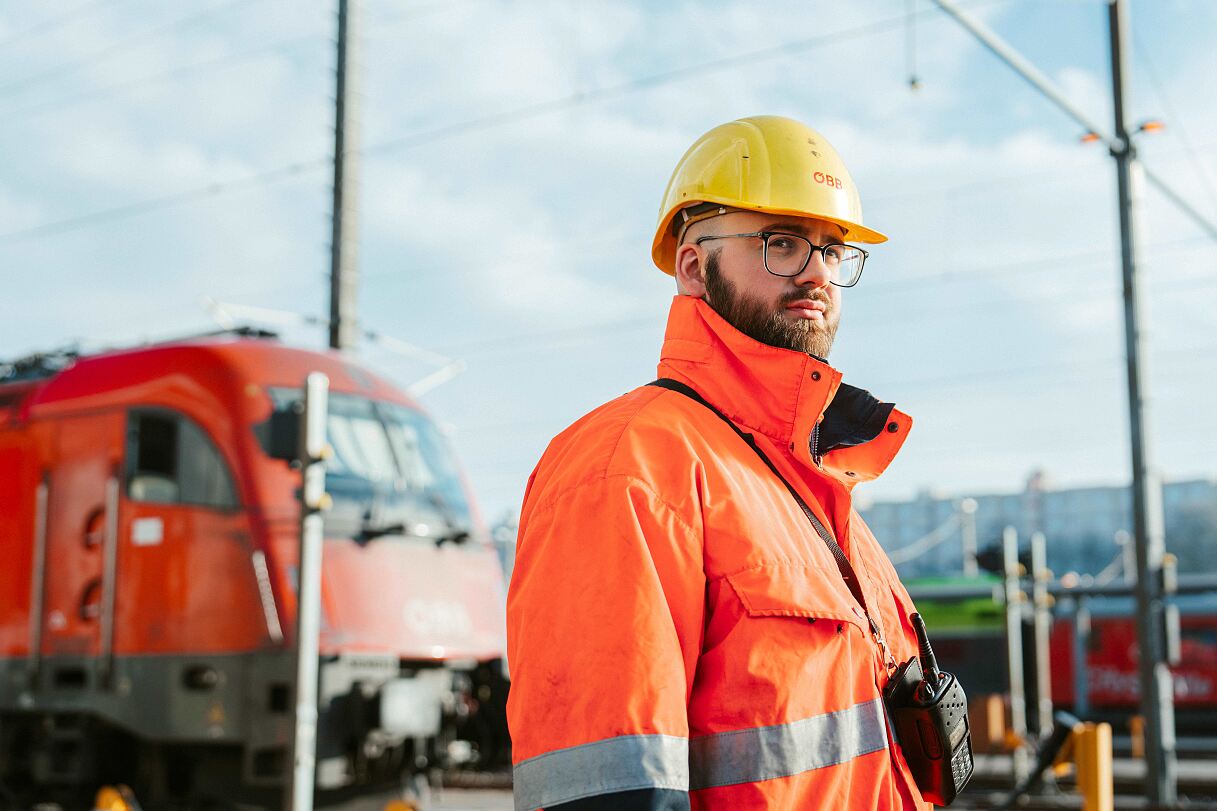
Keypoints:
pixel 1111 662
pixel 149 531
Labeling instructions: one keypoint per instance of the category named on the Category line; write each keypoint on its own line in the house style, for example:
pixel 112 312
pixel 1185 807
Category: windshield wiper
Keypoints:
pixel 451 530
pixel 370 533
pixel 456 534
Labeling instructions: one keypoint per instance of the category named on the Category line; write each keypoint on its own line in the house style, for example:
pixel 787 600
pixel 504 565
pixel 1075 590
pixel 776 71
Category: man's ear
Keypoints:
pixel 690 271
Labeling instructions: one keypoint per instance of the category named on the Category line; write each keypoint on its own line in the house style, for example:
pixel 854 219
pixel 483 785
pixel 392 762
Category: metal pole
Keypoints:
pixel 967 536
pixel 1014 650
pixel 1148 533
pixel 1081 664
pixel 1156 687
pixel 344 240
pixel 38 580
pixel 313 450
pixel 1041 602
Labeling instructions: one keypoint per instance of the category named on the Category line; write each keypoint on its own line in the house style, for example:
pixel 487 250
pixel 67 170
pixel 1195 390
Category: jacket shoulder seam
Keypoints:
pixel 552 498
pixel 625 428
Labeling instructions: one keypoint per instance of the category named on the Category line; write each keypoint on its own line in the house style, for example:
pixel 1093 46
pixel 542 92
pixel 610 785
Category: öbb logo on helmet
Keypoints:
pixel 827 180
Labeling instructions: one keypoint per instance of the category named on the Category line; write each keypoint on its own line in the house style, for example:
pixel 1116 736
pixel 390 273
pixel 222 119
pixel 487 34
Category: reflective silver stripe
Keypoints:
pixel 267 594
pixel 763 753
pixel 614 764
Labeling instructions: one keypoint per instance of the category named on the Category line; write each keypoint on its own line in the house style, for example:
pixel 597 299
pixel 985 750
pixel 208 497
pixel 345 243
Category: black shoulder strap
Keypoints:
pixel 847 569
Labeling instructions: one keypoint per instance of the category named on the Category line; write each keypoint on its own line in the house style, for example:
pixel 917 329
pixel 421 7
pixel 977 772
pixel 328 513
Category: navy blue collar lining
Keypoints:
pixel 853 417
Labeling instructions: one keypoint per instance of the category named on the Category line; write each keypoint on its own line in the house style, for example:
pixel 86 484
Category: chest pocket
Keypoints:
pixel 796 590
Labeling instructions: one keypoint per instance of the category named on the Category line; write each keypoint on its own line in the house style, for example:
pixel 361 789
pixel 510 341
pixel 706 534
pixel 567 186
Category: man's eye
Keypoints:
pixel 834 253
pixel 781 244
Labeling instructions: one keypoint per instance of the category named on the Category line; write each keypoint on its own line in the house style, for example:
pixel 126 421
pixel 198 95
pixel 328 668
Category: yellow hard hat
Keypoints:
pixel 764 163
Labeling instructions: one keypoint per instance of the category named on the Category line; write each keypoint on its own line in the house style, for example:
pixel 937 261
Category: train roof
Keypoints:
pixel 229 360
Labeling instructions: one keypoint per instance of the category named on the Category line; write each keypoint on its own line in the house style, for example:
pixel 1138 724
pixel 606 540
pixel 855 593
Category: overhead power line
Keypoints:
pixel 1176 124
pixel 469 126
pixel 554 337
pixel 925 543
pixel 254 181
pixel 115 48
pixel 1071 371
pixel 956 274
pixel 630 86
pixel 76 14
pixel 378 27
pixel 1080 374
pixel 505 118
pixel 201 66
pixel 205 65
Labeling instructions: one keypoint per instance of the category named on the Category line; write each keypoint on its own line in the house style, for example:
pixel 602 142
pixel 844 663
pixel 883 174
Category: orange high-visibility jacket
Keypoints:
pixel 678 634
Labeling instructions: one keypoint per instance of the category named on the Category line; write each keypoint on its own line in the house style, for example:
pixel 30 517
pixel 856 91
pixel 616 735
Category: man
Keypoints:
pixel 681 632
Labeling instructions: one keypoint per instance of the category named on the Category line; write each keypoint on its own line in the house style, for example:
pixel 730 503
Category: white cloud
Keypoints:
pixel 552 215
pixel 506 252
pixel 18 214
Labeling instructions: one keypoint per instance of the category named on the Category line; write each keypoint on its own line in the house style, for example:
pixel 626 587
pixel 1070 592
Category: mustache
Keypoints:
pixel 803 295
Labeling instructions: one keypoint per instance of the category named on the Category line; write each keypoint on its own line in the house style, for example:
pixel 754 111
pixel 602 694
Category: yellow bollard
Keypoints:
pixel 1092 754
pixel 1136 729
pixel 987 722
pixel 401 805
pixel 115 798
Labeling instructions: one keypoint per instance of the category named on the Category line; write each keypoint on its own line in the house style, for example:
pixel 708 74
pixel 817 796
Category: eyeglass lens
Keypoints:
pixel 787 255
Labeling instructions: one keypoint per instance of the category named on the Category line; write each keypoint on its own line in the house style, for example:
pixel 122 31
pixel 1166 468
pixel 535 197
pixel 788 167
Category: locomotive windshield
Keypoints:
pixel 392 472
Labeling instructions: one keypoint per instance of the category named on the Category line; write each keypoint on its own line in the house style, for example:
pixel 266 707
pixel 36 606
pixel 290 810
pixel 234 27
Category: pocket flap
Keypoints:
pixel 796 590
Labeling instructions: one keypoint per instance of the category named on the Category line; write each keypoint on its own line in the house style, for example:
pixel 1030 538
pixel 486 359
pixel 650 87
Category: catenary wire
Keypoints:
pixel 172 200
pixel 1176 126
pixel 376 28
pixel 38 29
pixel 630 86
pixel 204 65
pixel 220 62
pixel 638 323
pixel 114 48
pixel 1026 266
pixel 475 125
pixel 467 127
pixel 560 337
pixel 1082 369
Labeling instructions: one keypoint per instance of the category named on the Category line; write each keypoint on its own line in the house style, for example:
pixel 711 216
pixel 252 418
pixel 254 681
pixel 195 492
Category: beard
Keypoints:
pixel 767 324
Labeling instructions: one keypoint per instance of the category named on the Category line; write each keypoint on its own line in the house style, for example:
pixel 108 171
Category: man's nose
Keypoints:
pixel 816 273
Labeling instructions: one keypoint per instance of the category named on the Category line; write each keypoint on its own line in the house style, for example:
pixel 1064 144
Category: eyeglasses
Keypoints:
pixel 788 254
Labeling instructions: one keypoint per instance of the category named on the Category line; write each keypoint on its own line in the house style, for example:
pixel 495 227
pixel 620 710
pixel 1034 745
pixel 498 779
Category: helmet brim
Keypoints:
pixel 663 249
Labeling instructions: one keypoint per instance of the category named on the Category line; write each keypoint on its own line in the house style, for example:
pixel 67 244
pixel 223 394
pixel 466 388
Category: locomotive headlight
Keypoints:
pixel 412 707
pixel 202 677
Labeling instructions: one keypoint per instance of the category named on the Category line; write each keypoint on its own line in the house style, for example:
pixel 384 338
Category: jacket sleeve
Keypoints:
pixel 604 627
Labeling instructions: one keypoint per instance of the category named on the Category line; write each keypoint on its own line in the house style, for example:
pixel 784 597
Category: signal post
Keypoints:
pixel 313 451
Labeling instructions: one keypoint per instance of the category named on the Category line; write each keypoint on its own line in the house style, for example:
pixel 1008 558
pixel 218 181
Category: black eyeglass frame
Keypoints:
pixel 765 237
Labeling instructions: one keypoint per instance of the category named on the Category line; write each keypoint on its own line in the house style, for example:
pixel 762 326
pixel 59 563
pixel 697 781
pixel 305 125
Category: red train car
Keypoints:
pixel 149 530
pixel 1111 664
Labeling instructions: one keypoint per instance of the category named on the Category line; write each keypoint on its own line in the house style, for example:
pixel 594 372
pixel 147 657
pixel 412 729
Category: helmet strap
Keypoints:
pixel 696 213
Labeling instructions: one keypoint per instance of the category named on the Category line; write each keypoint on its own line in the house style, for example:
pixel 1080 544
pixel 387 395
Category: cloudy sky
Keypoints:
pixel 152 154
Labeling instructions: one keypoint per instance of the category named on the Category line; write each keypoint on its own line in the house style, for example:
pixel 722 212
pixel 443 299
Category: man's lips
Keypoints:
pixel 808 308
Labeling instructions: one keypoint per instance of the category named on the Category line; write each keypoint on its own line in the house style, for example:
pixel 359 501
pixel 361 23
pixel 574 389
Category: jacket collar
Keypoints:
pixel 782 394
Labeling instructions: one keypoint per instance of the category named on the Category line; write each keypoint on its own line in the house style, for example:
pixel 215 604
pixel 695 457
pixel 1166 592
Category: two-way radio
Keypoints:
pixel 930 713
